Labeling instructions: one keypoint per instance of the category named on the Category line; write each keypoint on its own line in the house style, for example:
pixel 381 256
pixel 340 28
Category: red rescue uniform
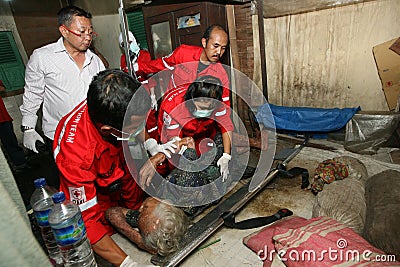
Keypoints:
pixel 185 74
pixel 88 165
pixel 176 120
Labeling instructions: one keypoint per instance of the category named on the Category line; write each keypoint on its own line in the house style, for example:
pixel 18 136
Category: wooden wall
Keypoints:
pixel 36 22
pixel 324 58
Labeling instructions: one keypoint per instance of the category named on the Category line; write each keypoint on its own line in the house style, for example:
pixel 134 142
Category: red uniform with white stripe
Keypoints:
pixel 185 74
pixel 88 165
pixel 176 120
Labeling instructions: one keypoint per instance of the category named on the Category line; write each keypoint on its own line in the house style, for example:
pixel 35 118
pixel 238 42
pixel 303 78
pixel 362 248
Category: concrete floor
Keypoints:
pixel 280 193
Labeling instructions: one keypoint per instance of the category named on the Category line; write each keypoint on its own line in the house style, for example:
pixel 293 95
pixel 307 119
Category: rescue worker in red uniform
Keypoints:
pixel 198 112
pixel 189 62
pixel 89 155
pixel 203 120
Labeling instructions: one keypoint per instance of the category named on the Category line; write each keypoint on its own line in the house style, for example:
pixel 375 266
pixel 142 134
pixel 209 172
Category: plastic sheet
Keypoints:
pixel 304 120
pixel 366 132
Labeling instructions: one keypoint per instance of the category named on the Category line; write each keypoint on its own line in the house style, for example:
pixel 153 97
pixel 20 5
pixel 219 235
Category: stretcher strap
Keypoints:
pixel 229 220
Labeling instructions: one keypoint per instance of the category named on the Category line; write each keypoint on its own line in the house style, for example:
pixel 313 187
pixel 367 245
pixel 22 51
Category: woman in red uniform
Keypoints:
pixel 199 112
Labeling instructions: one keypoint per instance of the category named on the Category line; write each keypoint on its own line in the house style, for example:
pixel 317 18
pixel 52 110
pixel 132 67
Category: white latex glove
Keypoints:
pixel 29 139
pixel 153 147
pixel 153 102
pixel 223 163
pixel 128 262
pixel 182 150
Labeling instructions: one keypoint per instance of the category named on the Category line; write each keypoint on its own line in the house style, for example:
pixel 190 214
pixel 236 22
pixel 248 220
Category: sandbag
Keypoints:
pixel 344 200
pixel 382 226
pixel 357 169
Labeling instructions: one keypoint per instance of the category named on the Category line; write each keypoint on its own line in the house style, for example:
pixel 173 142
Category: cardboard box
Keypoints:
pixel 388 64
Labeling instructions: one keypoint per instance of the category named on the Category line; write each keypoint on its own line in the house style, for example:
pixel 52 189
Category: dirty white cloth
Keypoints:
pixel 18 245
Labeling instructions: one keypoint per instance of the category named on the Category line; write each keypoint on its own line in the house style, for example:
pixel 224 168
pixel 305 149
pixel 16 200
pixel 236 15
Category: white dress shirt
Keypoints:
pixel 52 78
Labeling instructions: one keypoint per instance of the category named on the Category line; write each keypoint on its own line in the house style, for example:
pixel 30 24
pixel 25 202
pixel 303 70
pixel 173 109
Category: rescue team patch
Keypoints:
pixel 167 118
pixel 77 195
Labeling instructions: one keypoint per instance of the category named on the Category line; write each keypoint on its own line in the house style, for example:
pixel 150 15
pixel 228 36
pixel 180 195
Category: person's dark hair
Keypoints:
pixel 210 28
pixel 66 14
pixel 110 94
pixel 203 86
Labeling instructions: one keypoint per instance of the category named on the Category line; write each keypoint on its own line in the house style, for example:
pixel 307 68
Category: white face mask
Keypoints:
pixel 134 47
pixel 130 137
pixel 203 113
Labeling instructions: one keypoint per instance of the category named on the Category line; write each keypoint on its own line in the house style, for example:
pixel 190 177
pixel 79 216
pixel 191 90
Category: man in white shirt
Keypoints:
pixel 58 76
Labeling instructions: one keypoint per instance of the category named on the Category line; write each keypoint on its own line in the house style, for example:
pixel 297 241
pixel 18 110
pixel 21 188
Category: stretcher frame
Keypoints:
pixel 210 223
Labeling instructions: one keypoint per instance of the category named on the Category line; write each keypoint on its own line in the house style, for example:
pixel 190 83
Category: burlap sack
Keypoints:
pixel 382 226
pixel 357 169
pixel 344 200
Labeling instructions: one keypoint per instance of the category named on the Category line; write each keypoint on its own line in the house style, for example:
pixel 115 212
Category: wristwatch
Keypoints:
pixel 24 128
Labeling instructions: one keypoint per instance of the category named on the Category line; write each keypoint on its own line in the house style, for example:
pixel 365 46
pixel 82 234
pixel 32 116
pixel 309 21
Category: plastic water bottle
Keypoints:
pixel 42 202
pixel 70 232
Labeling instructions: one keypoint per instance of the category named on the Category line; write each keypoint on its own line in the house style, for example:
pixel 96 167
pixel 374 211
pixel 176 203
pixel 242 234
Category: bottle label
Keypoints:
pixel 42 217
pixel 74 232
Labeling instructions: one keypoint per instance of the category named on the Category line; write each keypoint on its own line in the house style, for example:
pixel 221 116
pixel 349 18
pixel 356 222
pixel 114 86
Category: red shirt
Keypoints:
pixel 184 62
pixel 4 116
pixel 88 165
pixel 176 120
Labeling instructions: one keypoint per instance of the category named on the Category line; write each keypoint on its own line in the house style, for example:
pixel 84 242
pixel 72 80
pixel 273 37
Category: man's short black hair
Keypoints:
pixel 66 14
pixel 210 28
pixel 110 94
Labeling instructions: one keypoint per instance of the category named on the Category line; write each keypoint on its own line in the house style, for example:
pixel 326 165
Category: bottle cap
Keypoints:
pixel 58 197
pixel 39 182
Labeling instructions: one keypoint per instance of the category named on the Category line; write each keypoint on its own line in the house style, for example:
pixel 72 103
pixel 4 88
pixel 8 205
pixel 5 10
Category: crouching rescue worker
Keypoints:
pixel 88 152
